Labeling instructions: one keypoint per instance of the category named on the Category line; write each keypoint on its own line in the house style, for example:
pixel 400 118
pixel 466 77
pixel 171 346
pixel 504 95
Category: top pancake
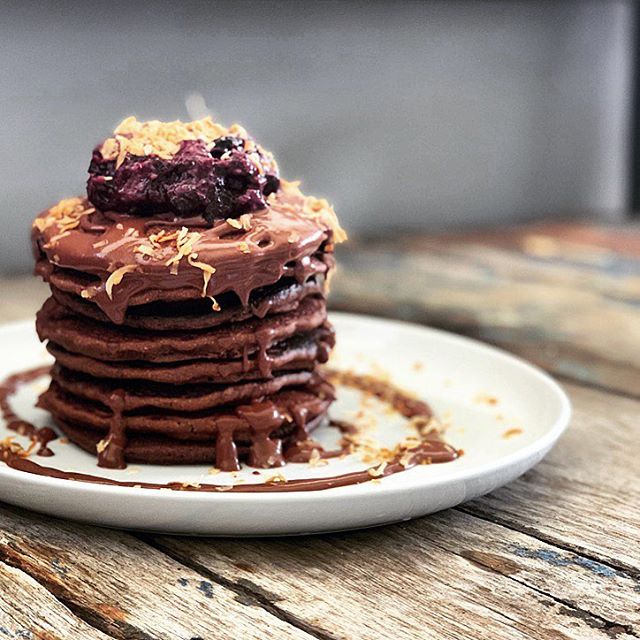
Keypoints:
pixel 127 256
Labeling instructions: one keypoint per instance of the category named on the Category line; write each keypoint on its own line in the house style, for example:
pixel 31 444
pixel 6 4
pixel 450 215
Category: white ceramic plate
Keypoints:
pixel 504 413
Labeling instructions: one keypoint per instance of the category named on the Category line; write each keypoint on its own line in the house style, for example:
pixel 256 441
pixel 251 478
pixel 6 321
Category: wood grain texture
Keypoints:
pixel 447 576
pixel 127 589
pixel 567 298
pixel 29 612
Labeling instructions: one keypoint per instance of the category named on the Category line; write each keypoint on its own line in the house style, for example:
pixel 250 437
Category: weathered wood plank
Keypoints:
pixel 447 576
pixel 128 589
pixel 562 300
pixel 585 494
pixel 30 612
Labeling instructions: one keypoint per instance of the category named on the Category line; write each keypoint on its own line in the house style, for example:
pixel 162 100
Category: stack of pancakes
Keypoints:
pixel 180 337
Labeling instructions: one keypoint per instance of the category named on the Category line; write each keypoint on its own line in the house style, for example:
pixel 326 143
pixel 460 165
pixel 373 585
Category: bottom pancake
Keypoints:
pixel 120 427
pixel 146 449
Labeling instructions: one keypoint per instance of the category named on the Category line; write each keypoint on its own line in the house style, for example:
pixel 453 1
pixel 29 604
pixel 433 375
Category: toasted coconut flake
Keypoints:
pixel 163 138
pixel 214 304
pixel 102 445
pixel 316 460
pixel 116 278
pixel 317 208
pixel 293 237
pixel 110 148
pixel 185 241
pixel 87 294
pixel 244 247
pixel 377 472
pixel 232 222
pixel 144 249
pixel 245 221
pixel 509 433
pixel 276 479
pixel 484 398
pixel 406 459
pixel 65 215
pixel 207 271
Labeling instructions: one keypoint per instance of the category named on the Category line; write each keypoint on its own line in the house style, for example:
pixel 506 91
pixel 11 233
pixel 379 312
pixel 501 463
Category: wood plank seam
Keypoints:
pixel 37 558
pixel 247 592
pixel 468 509
pixel 87 615
pixel 72 609
pixel 573 609
pixel 592 619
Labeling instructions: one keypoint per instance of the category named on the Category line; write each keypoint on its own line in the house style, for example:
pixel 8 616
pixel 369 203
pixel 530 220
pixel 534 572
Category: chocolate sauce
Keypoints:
pixel 40 437
pixel 111 449
pixel 263 418
pixel 430 450
pixel 226 448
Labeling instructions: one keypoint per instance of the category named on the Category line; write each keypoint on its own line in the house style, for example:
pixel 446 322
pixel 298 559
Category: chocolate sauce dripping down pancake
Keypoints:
pixel 188 313
pixel 193 314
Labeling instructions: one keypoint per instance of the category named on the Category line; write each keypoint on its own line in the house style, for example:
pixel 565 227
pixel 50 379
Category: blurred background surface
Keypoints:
pixel 404 114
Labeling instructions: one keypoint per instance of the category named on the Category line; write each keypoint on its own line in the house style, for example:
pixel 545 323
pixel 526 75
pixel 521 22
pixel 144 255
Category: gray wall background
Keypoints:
pixel 404 114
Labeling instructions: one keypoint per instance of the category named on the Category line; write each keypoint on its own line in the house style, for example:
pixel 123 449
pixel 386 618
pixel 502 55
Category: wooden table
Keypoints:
pixel 555 554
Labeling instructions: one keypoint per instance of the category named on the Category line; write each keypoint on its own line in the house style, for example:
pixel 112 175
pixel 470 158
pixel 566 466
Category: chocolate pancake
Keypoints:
pixel 114 342
pixel 189 397
pixel 196 314
pixel 188 313
pixel 117 260
pixel 194 425
pixel 307 271
pixel 299 353
pixel 157 450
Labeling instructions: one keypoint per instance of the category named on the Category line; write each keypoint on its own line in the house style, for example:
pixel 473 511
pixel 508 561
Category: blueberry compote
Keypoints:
pixel 218 180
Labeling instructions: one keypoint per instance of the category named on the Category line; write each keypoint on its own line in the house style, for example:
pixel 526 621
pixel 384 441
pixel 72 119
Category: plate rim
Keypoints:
pixel 363 490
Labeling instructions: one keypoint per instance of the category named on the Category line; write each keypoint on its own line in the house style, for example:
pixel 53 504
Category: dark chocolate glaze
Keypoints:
pixel 430 450
pixel 281 242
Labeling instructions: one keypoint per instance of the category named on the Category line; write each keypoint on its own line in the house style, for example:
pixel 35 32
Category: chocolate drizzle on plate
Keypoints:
pixel 40 437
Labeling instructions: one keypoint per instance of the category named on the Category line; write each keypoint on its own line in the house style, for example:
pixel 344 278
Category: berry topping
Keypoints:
pixel 147 169
pixel 224 144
